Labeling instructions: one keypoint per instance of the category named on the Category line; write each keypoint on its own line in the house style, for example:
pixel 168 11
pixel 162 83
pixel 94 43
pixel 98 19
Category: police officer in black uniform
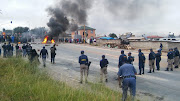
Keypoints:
pixel 122 58
pixel 176 58
pixel 130 58
pixel 141 62
pixel 83 61
pixel 170 60
pixel 158 59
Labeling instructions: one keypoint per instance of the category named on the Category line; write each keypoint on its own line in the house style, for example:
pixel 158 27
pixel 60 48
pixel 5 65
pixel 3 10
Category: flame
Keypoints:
pixel 45 40
pixel 52 41
pixel 19 42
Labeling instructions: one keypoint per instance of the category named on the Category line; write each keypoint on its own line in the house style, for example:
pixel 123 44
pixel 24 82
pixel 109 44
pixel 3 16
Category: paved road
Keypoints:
pixel 160 85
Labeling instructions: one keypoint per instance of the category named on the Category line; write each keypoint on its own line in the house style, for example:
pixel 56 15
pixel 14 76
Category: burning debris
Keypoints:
pixel 45 41
pixel 64 10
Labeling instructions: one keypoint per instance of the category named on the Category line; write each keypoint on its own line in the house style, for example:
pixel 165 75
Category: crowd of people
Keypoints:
pixel 27 51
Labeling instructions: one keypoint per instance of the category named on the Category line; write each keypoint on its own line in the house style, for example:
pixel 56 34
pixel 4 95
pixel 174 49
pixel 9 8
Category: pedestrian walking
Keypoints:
pixel 34 56
pixel 151 61
pixel 161 46
pixel 44 55
pixel 12 49
pixel 53 53
pixel 142 59
pixel 104 64
pixel 83 61
pixel 24 50
pixel 176 58
pixel 170 60
pixel 4 50
pixel 130 58
pixel 127 73
pixel 158 60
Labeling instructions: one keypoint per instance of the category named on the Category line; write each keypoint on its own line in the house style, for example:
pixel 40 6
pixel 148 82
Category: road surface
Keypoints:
pixel 158 86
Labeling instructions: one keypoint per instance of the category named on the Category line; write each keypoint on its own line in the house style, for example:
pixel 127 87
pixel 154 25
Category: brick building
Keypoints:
pixel 89 33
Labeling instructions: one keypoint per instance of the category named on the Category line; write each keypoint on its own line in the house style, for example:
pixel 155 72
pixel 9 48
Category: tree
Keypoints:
pixel 112 35
pixel 21 29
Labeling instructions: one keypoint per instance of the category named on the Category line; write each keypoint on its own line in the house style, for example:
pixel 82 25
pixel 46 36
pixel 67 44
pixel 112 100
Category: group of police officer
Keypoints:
pixel 127 72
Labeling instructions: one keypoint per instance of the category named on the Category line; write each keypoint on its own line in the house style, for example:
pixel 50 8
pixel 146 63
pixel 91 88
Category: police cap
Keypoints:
pixel 82 52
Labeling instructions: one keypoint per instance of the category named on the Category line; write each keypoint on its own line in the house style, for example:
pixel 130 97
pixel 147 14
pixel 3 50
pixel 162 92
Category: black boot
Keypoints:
pixel 167 69
pixel 176 67
pixel 171 69
pixel 149 71
pixel 153 70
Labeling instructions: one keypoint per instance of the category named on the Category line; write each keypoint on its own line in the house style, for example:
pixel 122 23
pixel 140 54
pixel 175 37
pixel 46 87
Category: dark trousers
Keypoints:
pixel 157 64
pixel 141 68
pixel 52 57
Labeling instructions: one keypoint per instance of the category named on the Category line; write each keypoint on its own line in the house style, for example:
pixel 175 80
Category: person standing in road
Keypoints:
pixel 104 64
pixel 24 50
pixel 161 46
pixel 53 53
pixel 130 58
pixel 44 55
pixel 142 59
pixel 158 59
pixel 12 49
pixel 122 59
pixel 9 49
pixel 176 58
pixel 17 50
pixel 170 60
pixel 4 50
pixel 83 61
pixel 127 73
pixel 151 61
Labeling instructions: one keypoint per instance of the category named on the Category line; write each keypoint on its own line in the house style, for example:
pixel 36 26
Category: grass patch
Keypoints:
pixel 23 81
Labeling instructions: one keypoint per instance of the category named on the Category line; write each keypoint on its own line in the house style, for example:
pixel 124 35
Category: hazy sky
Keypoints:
pixel 106 16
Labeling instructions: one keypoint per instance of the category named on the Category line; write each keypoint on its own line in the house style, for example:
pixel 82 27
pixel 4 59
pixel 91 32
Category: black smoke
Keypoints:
pixel 63 11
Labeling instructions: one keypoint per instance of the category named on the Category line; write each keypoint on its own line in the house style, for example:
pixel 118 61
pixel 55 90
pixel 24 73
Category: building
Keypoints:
pixel 89 33
pixel 136 38
pixel 154 38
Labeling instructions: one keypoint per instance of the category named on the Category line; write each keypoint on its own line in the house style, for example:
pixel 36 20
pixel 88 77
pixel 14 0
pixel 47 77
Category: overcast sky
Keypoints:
pixel 162 16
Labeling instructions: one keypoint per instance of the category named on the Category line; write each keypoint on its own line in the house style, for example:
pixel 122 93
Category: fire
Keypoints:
pixel 45 40
pixel 52 41
pixel 19 42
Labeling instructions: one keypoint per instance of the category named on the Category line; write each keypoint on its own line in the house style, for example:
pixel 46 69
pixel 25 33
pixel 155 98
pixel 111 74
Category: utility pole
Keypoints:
pixel 84 34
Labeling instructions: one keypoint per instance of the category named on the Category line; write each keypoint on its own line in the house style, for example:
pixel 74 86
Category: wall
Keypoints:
pixel 80 32
pixel 154 45
pixel 102 42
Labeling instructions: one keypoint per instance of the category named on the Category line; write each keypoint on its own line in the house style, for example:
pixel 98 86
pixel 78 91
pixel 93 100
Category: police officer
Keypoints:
pixel 122 59
pixel 44 54
pixel 130 58
pixel 83 61
pixel 176 58
pixel 158 59
pixel 4 50
pixel 103 64
pixel 141 62
pixel 151 61
pixel 53 53
pixel 170 60
pixel 127 72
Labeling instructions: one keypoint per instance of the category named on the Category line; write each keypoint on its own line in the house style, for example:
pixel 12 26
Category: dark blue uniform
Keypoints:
pixel 141 62
pixel 122 59
pixel 130 59
pixel 43 53
pixel 152 56
pixel 83 59
pixel 104 63
pixel 170 55
pixel 158 59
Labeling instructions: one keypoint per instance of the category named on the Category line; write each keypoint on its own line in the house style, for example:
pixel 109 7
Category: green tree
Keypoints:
pixel 112 35
pixel 21 29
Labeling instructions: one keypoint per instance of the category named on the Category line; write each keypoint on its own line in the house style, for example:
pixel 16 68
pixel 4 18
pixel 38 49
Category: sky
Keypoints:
pixel 156 17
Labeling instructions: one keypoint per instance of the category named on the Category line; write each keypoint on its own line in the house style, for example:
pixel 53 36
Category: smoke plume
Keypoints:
pixel 64 10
